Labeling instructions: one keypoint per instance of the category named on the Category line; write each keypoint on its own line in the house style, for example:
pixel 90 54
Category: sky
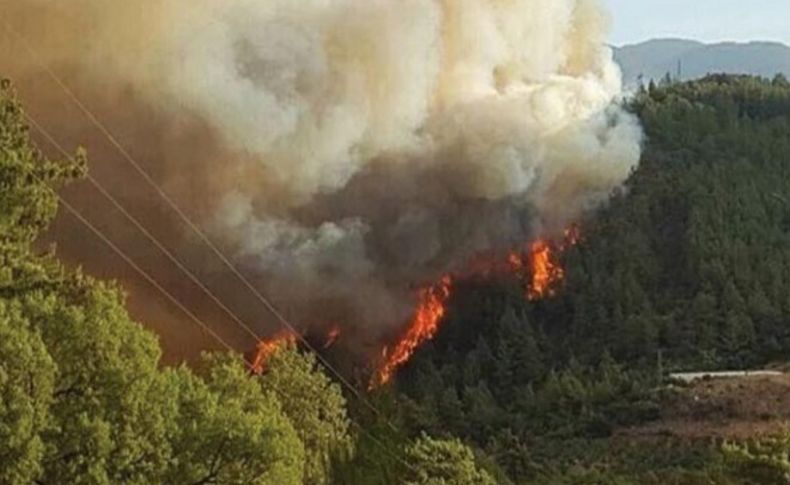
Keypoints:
pixel 705 20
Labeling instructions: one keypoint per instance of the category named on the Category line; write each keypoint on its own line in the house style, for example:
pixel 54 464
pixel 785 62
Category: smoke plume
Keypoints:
pixel 346 150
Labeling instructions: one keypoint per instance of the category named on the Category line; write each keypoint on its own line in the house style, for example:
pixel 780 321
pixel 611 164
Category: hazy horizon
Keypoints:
pixel 692 39
pixel 708 21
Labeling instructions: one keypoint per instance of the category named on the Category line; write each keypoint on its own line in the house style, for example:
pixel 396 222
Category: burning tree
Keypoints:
pixel 423 326
pixel 537 267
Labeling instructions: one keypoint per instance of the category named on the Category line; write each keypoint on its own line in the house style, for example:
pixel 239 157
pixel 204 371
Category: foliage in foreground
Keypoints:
pixel 760 461
pixel 84 398
pixel 438 462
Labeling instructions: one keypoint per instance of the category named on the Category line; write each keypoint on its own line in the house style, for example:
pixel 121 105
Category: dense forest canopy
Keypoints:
pixel 686 268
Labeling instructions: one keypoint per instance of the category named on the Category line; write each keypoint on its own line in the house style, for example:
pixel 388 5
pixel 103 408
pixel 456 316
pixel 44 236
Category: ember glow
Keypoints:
pixel 572 236
pixel 423 326
pixel 332 336
pixel 269 346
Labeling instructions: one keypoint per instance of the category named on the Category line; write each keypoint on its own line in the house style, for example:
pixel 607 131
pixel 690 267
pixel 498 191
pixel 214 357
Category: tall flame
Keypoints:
pixel 269 346
pixel 545 271
pixel 423 326
pixel 536 265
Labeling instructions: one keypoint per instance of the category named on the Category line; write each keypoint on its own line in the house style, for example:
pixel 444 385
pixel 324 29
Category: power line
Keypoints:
pixel 187 221
pixel 126 258
pixel 98 186
pixel 76 214
pixel 150 279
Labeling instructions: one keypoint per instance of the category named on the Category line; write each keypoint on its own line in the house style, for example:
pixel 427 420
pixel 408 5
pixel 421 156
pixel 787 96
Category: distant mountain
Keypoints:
pixel 654 58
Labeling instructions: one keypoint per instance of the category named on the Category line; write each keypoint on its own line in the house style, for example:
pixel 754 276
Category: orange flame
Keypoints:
pixel 423 326
pixel 544 269
pixel 332 336
pixel 536 266
pixel 545 272
pixel 267 347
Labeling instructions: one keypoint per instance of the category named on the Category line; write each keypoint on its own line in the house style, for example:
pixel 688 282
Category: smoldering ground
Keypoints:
pixel 342 151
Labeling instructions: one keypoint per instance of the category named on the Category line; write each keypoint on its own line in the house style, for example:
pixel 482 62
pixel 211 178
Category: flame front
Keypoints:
pixel 269 346
pixel 423 326
pixel 536 266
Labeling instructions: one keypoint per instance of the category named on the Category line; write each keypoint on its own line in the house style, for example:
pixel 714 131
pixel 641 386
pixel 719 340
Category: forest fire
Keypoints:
pixel 267 347
pixel 544 269
pixel 423 326
pixel 537 267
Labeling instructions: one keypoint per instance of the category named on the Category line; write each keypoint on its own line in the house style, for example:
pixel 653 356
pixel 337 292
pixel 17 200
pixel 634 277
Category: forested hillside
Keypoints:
pixel 686 268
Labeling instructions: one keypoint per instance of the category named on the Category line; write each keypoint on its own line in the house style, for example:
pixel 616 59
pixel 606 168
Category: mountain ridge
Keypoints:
pixel 689 59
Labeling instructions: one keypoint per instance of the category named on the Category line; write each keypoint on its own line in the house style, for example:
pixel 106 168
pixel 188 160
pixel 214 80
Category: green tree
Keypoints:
pixel 106 413
pixel 761 461
pixel 27 379
pixel 226 429
pixel 27 177
pixel 451 409
pixel 109 409
pixel 443 462
pixel 315 406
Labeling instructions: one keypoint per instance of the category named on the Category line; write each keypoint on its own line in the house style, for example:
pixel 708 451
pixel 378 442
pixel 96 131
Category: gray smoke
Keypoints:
pixel 364 146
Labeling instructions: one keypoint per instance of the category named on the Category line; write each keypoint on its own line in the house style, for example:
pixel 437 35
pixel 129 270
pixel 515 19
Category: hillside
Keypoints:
pixel 655 58
pixel 685 269
pixel 733 408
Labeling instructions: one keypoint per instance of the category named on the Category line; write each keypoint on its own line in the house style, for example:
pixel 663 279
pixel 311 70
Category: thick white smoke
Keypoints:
pixel 511 94
pixel 389 139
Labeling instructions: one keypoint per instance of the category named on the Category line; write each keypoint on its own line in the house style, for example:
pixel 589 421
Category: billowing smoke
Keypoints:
pixel 360 147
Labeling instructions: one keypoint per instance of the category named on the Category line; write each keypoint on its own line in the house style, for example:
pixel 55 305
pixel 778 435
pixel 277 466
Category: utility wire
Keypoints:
pixel 77 215
pixel 98 186
pixel 150 279
pixel 187 220
pixel 98 233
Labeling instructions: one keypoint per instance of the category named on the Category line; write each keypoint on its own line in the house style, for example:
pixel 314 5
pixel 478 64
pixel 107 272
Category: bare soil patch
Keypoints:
pixel 732 408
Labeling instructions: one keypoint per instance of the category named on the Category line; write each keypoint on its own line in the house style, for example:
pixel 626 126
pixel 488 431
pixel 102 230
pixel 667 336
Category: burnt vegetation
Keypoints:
pixel 686 268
